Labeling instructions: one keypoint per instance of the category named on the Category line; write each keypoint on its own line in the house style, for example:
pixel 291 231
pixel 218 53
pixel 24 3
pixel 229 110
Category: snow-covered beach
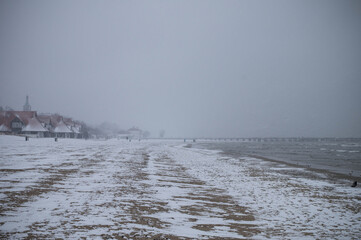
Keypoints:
pixel 164 189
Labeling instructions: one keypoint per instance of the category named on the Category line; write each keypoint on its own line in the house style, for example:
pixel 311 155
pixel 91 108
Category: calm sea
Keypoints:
pixel 338 156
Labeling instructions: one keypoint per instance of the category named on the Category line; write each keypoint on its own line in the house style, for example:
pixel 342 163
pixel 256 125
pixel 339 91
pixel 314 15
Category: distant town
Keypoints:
pixel 47 125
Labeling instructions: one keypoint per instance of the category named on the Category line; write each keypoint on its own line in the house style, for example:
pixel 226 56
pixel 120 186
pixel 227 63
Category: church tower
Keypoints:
pixel 27 106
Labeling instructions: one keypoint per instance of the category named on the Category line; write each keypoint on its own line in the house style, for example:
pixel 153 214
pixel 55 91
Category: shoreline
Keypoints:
pixel 337 161
pixel 288 201
pixel 329 174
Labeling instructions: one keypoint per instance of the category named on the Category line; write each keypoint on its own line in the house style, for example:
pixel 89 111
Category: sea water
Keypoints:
pixel 341 156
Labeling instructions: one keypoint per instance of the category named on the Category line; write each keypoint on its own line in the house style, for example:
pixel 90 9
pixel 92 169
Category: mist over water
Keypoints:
pixel 192 68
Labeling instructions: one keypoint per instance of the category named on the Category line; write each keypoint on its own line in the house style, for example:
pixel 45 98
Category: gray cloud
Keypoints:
pixel 193 68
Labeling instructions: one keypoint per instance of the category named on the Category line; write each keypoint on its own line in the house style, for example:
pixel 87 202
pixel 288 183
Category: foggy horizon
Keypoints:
pixel 192 68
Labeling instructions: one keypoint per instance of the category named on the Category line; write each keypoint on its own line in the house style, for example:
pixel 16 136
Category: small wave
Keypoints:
pixel 341 150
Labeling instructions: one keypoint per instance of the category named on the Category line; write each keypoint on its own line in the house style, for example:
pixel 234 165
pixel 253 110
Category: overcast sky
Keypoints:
pixel 192 68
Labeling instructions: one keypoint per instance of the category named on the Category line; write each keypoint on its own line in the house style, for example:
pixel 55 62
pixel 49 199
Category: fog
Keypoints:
pixel 193 68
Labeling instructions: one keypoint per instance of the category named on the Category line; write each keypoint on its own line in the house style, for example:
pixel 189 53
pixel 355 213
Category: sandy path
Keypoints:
pixel 114 191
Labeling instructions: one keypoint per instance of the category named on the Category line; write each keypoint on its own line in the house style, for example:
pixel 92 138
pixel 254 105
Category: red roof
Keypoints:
pixel 6 117
pixel 44 119
pixel 4 122
pixel 53 119
pixel 34 123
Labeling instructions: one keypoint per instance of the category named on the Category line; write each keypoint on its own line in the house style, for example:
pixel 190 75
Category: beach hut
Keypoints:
pixel 62 130
pixel 34 128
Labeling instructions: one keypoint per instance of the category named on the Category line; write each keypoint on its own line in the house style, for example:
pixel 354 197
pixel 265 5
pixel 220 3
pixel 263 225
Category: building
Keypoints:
pixel 62 130
pixel 34 128
pixel 27 106
pixel 45 125
pixel 28 123
pixel 21 122
pixel 135 133
pixel 4 123
pixel 47 122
